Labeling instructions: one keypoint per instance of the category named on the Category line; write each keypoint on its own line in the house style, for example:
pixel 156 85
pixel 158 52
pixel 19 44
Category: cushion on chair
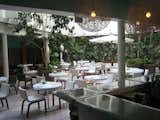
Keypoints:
pixel 2 95
pixel 34 98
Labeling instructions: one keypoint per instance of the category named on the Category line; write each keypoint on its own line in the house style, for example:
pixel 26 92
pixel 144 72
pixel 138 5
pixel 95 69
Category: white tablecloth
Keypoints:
pixel 47 85
pixel 129 71
pixel 95 77
pixel 58 74
pixel 3 79
pixel 31 72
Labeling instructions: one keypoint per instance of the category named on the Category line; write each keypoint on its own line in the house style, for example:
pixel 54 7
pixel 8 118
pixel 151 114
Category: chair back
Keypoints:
pixel 5 89
pixel 12 79
pixel 40 78
pixel 74 74
pixel 69 85
pixel 81 83
pixel 21 77
pixel 23 93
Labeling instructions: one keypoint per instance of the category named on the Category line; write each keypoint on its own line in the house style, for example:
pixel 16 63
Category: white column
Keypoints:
pixel 61 53
pixel 121 54
pixel 46 51
pixel 5 55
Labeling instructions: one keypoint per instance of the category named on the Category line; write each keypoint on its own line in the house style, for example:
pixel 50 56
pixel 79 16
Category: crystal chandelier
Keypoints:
pixel 93 24
pixel 129 28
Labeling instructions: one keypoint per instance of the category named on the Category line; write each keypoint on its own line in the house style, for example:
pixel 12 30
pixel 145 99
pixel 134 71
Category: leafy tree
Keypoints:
pixel 58 23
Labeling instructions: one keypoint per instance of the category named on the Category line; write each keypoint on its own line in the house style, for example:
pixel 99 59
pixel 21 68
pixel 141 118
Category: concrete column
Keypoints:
pixel 5 55
pixel 121 54
pixel 46 45
pixel 61 53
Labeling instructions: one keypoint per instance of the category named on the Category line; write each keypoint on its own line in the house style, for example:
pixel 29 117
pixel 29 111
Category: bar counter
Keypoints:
pixel 86 104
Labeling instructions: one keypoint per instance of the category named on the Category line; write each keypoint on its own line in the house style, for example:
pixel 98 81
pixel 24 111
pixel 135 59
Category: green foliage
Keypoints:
pixel 147 48
pixel 135 62
pixel 80 48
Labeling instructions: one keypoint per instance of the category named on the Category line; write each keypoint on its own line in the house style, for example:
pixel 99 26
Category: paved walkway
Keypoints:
pixel 15 106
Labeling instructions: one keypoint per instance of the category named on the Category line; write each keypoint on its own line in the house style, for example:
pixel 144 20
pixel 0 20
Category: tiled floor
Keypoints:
pixel 15 106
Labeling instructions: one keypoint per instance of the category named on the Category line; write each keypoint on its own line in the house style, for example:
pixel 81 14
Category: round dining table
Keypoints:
pixel 129 71
pixel 3 79
pixel 95 77
pixel 32 73
pixel 58 74
pixel 47 86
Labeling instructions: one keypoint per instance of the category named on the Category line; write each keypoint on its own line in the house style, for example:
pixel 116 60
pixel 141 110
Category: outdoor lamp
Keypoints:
pixel 93 13
pixel 148 14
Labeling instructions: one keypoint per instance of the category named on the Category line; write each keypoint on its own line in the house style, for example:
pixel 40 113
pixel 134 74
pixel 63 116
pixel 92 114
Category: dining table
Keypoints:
pixel 32 73
pixel 129 71
pixel 62 77
pixel 58 74
pixel 47 86
pixel 3 79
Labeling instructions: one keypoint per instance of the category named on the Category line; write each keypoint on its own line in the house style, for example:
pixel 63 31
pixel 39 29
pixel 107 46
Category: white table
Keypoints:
pixel 82 68
pixel 58 74
pixel 61 77
pixel 65 65
pixel 25 66
pixel 31 73
pixel 3 79
pixel 47 86
pixel 129 71
pixel 95 77
pixel 98 79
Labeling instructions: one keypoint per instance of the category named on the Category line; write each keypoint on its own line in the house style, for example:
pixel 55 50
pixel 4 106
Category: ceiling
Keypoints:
pixel 131 10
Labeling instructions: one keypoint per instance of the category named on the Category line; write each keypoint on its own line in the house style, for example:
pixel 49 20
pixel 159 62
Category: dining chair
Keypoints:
pixel 22 77
pixel 4 92
pixel 69 86
pixel 146 75
pixel 31 99
pixel 12 82
pixel 81 83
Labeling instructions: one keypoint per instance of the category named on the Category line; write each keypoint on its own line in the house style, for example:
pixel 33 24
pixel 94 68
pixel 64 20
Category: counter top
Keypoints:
pixel 108 106
pixel 121 108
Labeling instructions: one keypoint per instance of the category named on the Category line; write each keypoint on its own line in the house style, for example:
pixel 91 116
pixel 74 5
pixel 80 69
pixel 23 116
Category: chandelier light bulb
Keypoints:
pixel 93 13
pixel 137 23
pixel 148 14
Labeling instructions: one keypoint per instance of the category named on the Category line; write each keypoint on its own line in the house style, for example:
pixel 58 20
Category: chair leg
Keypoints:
pixel 45 105
pixel 18 83
pixel 9 90
pixel 22 106
pixel 53 99
pixel 59 103
pixel 31 83
pixel 28 109
pixel 15 89
pixel 7 103
pixel 38 105
pixel 25 84
pixel 2 103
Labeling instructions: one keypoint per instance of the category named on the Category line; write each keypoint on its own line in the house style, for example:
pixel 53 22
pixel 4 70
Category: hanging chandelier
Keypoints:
pixel 93 24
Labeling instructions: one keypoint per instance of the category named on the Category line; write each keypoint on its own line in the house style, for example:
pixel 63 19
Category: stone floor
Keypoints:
pixel 54 113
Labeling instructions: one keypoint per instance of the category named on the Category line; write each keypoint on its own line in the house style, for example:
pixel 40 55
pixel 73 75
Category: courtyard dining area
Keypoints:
pixel 79 60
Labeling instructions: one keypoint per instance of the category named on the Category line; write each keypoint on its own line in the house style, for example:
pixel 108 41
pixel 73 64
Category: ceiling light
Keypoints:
pixel 148 14
pixel 137 23
pixel 93 13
